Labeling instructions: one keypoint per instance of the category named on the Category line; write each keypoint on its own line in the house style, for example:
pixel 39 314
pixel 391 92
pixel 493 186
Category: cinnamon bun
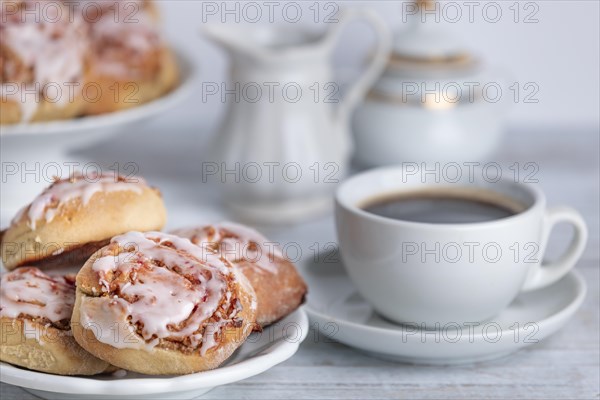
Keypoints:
pixel 35 314
pixel 42 62
pixel 76 216
pixel 155 303
pixel 130 63
pixel 59 60
pixel 278 286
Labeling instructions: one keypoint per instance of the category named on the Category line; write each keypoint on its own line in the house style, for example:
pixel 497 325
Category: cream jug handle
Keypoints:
pixel 378 62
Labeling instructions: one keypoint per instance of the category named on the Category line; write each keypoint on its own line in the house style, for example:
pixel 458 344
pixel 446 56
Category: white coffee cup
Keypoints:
pixel 432 274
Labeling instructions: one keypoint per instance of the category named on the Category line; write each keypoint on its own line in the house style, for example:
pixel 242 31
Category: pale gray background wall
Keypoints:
pixel 560 52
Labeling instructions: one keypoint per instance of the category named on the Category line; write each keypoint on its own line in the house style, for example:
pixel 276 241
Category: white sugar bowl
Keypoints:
pixel 435 102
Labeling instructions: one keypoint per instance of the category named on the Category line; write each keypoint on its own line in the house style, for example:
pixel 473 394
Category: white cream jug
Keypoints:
pixel 285 141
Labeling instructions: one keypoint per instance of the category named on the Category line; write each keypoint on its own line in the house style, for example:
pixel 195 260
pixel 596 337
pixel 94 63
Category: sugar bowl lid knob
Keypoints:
pixel 424 39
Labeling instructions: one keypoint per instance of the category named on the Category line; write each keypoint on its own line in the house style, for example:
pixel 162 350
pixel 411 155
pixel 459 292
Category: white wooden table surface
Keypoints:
pixel 564 366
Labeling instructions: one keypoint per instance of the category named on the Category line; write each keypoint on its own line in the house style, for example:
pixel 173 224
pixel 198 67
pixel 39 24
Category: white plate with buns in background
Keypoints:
pixel 70 81
pixel 62 68
pixel 48 144
pixel 87 129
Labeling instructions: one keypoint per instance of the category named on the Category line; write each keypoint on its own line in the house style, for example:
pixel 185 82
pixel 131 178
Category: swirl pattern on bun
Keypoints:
pixel 35 329
pixel 155 303
pixel 279 287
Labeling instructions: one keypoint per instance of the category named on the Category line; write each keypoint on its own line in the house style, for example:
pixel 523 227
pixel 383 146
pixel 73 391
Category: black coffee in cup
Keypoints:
pixel 444 206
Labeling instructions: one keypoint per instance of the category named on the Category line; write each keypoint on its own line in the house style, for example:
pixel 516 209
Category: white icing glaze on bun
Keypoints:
pixel 78 186
pixel 163 287
pixel 28 292
pixel 235 242
pixel 52 45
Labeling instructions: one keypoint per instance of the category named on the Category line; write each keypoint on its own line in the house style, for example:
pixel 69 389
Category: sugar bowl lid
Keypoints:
pixel 423 44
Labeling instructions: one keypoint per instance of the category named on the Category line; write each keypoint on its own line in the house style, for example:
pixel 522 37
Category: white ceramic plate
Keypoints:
pixel 343 315
pixel 110 121
pixel 49 144
pixel 260 352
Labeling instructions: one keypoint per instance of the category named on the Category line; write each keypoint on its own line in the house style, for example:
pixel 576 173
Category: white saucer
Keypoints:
pixel 260 352
pixel 343 315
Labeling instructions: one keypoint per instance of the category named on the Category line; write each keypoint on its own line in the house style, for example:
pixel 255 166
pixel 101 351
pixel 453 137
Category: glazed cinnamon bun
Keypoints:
pixel 157 304
pixel 59 60
pixel 130 63
pixel 278 286
pixel 35 314
pixel 42 62
pixel 76 216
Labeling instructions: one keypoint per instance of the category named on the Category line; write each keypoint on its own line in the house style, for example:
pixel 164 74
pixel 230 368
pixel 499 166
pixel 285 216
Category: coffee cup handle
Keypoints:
pixel 545 274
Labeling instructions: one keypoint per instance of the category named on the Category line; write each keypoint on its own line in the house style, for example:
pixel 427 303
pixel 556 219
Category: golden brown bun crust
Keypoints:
pixel 130 93
pixel 105 215
pixel 59 353
pixel 279 288
pixel 277 295
pixel 133 92
pixel 158 360
pixel 46 110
